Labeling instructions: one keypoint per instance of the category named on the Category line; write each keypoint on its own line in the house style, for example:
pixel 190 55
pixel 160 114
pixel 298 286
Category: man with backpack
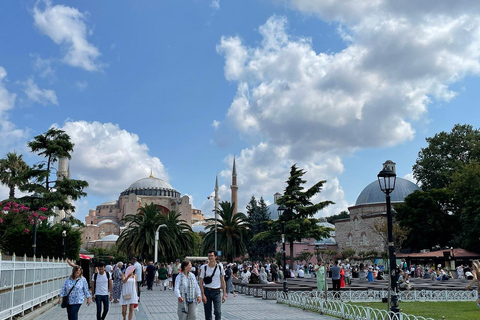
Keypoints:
pixel 101 287
pixel 212 286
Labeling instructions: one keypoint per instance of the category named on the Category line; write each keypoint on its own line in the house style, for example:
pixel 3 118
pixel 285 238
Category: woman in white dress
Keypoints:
pixel 129 295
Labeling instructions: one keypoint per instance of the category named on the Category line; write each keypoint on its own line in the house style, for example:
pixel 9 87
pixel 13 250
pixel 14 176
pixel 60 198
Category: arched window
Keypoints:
pixel 355 223
pixel 363 239
pixel 349 240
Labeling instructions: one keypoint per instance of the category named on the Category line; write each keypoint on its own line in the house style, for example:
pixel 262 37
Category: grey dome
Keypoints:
pixel 373 194
pixel 110 237
pixel 151 186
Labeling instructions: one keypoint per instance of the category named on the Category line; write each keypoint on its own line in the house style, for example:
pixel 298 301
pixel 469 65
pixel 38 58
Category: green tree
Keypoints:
pixel 258 218
pixel 465 189
pixel 12 168
pixel 52 145
pixel 138 238
pixel 298 216
pixel 427 218
pixel 446 152
pixel 232 235
pixel 347 254
pixel 341 215
pixel 304 257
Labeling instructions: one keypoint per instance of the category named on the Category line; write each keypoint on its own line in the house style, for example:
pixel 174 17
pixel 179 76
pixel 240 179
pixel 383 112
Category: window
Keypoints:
pixel 349 240
pixel 355 223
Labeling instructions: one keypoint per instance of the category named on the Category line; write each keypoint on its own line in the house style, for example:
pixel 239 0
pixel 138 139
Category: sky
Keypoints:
pixel 181 87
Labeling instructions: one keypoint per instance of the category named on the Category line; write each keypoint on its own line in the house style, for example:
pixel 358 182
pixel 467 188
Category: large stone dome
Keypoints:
pixel 151 186
pixel 373 194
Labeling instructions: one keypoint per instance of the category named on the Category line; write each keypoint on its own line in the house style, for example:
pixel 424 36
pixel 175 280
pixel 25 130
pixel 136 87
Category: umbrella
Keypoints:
pixel 82 256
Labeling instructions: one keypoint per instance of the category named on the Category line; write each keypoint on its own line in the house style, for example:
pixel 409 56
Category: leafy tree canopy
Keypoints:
pixel 445 154
pixel 335 217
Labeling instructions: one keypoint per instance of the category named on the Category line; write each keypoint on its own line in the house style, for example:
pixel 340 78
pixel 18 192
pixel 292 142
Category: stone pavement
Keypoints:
pixel 159 304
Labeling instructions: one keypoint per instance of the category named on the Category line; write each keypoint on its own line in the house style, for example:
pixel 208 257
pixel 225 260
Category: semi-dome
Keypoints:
pixel 151 186
pixel 110 237
pixel 373 194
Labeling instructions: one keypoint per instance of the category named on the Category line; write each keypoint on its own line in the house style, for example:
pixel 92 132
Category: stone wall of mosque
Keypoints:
pixel 357 232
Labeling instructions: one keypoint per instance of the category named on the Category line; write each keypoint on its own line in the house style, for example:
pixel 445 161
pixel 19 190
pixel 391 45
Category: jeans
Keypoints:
pixel 274 276
pixel 98 301
pixel 174 276
pixel 139 283
pixel 149 284
pixel 213 296
pixel 336 284
pixel 72 311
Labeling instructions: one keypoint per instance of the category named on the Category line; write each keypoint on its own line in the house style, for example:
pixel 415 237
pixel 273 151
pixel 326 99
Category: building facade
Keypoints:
pixel 106 219
pixel 358 231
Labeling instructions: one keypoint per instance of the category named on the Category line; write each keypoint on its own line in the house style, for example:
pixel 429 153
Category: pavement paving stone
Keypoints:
pixel 160 304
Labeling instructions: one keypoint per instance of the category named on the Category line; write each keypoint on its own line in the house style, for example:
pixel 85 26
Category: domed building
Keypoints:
pixel 105 220
pixel 357 232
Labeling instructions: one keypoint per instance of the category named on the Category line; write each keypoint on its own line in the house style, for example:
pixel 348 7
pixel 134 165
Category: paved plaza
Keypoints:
pixel 159 304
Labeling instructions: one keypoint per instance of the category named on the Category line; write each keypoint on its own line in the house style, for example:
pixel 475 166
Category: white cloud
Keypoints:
pixel 215 124
pixel 109 158
pixel 81 85
pixel 297 105
pixel 215 4
pixel 66 27
pixel 43 66
pixel 42 96
pixel 10 135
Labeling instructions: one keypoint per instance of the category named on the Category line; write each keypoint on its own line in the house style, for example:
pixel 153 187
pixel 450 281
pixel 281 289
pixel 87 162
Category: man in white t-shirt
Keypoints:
pixel 212 279
pixel 138 273
pixel 101 287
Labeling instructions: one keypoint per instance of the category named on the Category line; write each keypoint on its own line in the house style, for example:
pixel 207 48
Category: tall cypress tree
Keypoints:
pixel 259 218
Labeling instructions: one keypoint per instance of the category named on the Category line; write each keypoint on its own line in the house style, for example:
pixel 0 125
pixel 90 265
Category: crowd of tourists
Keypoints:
pixel 211 281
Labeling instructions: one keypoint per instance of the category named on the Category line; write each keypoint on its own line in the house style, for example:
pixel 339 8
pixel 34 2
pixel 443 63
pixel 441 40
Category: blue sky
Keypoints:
pixel 181 86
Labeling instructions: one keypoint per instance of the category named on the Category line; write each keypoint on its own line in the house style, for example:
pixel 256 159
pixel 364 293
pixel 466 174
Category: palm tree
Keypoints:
pixel 11 170
pixel 177 239
pixel 139 236
pixel 231 232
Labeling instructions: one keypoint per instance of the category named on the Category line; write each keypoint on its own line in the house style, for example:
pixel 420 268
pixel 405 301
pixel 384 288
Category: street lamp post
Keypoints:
pixel 64 223
pixel 280 211
pixel 386 180
pixel 157 238
pixel 33 207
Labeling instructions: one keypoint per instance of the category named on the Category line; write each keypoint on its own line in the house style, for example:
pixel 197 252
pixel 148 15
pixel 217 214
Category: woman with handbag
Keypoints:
pixel 74 292
pixel 187 292
pixel 129 296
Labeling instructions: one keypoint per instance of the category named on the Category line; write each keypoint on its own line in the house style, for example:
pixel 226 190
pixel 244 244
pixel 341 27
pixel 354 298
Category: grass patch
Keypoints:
pixel 451 310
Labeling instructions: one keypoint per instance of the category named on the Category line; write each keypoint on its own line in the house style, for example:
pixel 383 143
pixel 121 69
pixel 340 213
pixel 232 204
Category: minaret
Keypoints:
pixel 234 188
pixel 62 173
pixel 217 198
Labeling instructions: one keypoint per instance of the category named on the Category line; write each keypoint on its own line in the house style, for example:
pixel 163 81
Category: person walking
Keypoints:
pixel 138 275
pixel 175 271
pixel 129 295
pixel 342 277
pixel 320 273
pixel 212 279
pixel 187 292
pixel 75 289
pixel 229 280
pixel 170 282
pixel 335 269
pixel 150 275
pixel 274 269
pixel 163 276
pixel 102 290
pixel 117 282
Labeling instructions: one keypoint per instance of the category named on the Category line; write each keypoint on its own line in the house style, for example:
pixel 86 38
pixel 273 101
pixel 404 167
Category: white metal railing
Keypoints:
pixel 27 282
pixel 315 301
pixel 413 295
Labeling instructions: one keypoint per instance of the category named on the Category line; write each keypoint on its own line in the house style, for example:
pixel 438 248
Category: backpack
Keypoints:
pixel 96 273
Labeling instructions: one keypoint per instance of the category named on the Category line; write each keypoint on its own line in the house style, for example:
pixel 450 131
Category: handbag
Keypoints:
pixel 127 296
pixel 65 299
